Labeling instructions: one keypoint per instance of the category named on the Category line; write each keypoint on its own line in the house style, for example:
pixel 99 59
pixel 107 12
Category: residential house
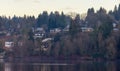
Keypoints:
pixel 47 39
pixel 9 44
pixel 115 27
pixel 66 29
pixel 86 29
pixel 2 33
pixel 46 43
pixel 55 30
pixel 8 34
pixel 39 29
pixel 39 33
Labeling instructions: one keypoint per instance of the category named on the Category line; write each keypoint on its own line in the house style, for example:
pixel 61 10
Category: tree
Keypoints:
pixel 74 28
pixel 91 18
pixel 52 22
pixel 115 12
pixel 63 19
pixel 1 50
pixel 106 27
pixel 77 19
pixel 110 48
pixel 42 19
pixel 118 12
pixel 90 11
pixel 105 21
pixel 38 45
pixel 31 35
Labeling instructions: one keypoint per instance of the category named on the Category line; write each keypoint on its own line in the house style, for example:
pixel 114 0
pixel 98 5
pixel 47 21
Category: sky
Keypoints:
pixel 35 7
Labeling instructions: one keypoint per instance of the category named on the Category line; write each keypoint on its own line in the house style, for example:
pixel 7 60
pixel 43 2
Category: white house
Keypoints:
pixel 115 29
pixel 38 35
pixel 40 29
pixel 86 29
pixel 9 44
pixel 47 39
pixel 56 30
pixel 114 25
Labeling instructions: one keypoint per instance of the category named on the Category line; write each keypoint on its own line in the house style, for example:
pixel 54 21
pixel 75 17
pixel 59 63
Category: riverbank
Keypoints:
pixel 50 59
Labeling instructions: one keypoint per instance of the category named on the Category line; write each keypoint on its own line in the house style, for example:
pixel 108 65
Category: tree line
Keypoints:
pixel 102 42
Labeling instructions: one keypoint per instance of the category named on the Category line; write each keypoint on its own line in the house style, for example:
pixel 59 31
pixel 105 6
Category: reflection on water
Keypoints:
pixel 81 66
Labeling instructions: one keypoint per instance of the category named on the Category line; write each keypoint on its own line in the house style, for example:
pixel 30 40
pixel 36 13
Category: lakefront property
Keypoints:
pixel 60 36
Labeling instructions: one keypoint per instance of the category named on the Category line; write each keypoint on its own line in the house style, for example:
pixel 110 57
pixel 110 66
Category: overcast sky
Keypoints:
pixel 34 7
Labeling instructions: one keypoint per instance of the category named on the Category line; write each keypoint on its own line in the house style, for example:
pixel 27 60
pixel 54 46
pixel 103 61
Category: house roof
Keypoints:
pixel 47 39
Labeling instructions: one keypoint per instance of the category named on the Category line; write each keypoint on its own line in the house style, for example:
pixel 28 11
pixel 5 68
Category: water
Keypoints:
pixel 79 66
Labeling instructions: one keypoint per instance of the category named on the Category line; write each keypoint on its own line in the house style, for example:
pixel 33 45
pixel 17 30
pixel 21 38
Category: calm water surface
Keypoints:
pixel 64 66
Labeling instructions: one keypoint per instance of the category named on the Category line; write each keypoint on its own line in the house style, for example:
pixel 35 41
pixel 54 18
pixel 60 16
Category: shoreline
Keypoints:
pixel 44 59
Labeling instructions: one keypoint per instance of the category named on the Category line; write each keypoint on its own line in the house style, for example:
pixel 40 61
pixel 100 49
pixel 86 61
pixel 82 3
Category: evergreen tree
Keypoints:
pixel 74 28
pixel 115 12
pixel 42 19
pixel 106 22
pixel 52 22
pixel 91 18
pixel 31 36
